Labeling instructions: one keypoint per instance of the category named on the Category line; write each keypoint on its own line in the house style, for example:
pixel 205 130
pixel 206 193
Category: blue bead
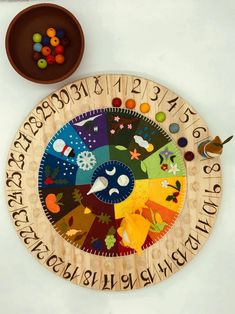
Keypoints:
pixel 37 47
pixel 182 142
pixel 174 128
pixel 45 40
pixel 60 33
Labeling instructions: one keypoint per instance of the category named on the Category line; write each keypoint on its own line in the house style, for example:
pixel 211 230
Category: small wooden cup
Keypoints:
pixel 37 19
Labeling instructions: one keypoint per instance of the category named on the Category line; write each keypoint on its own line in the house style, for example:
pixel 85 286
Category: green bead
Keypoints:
pixel 37 38
pixel 160 116
pixel 42 64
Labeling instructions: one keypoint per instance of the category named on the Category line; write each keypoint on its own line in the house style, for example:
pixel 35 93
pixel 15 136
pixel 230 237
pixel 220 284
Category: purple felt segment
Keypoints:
pixel 92 128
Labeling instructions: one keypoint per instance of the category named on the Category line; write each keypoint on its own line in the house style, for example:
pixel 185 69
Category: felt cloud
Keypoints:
pixel 140 141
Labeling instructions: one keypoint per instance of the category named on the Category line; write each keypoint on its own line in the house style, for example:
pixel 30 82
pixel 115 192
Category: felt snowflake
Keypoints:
pixel 86 161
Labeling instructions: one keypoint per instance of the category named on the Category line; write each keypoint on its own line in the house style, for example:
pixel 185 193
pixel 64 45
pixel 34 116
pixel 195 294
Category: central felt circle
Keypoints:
pixel 112 182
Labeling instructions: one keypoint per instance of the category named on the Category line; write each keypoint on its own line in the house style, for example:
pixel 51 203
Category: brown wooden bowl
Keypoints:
pixel 37 19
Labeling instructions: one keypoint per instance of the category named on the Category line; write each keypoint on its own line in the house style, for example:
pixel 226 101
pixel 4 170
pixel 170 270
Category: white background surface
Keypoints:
pixel 187 45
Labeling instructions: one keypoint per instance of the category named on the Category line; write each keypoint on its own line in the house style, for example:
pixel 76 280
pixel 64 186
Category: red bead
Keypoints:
pixel 189 156
pixel 59 49
pixel 116 102
pixel 50 59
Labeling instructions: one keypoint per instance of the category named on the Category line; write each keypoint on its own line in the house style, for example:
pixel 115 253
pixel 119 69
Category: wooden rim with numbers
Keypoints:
pixel 148 221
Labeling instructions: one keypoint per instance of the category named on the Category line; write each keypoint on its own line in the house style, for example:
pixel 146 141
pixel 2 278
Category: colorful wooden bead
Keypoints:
pixel 144 107
pixel 65 41
pixel 37 38
pixel 189 156
pixel 60 33
pixel 160 116
pixel 50 59
pixel 130 103
pixel 116 102
pixel 42 64
pixel 51 32
pixel 174 128
pixel 182 142
pixel 45 40
pixel 59 49
pixel 36 56
pixel 46 51
pixel 54 41
pixel 37 47
pixel 59 59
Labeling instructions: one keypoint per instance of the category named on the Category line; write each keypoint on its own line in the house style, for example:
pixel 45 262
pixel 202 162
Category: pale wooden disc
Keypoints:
pixel 66 245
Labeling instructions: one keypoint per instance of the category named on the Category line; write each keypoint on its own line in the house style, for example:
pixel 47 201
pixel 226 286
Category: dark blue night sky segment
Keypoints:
pixel 55 172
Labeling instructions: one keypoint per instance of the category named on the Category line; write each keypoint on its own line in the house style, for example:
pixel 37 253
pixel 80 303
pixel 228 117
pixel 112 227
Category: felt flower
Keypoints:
pixel 164 183
pixel 112 131
pixel 117 118
pixel 164 167
pixel 166 153
pixel 173 169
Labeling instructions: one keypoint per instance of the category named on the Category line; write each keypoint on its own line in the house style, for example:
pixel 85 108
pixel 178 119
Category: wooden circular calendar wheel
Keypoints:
pixel 106 186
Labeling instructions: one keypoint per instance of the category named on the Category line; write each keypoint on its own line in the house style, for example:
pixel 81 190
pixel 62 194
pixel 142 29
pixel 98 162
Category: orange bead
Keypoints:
pixel 54 41
pixel 144 107
pixel 46 51
pixel 130 103
pixel 59 59
pixel 51 32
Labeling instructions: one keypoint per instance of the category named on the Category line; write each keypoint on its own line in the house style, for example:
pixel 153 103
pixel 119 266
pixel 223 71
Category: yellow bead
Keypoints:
pixel 54 41
pixel 51 32
pixel 144 107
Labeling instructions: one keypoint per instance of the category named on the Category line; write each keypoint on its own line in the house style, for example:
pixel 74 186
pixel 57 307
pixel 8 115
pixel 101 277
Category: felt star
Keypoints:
pixel 135 154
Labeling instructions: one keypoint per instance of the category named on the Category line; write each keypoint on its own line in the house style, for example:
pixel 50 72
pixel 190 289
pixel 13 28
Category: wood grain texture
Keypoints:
pixel 157 262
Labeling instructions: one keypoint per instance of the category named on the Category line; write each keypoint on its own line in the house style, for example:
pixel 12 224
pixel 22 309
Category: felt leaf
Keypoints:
pixel 70 221
pixel 77 196
pixel 79 236
pixel 178 185
pixel 161 159
pixel 59 197
pixel 112 230
pixel 169 198
pixel 158 218
pixel 119 147
pixel 159 227
pixel 61 181
pixel 143 166
pixel 55 172
pixel 72 232
pixel 104 218
pixel 47 171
